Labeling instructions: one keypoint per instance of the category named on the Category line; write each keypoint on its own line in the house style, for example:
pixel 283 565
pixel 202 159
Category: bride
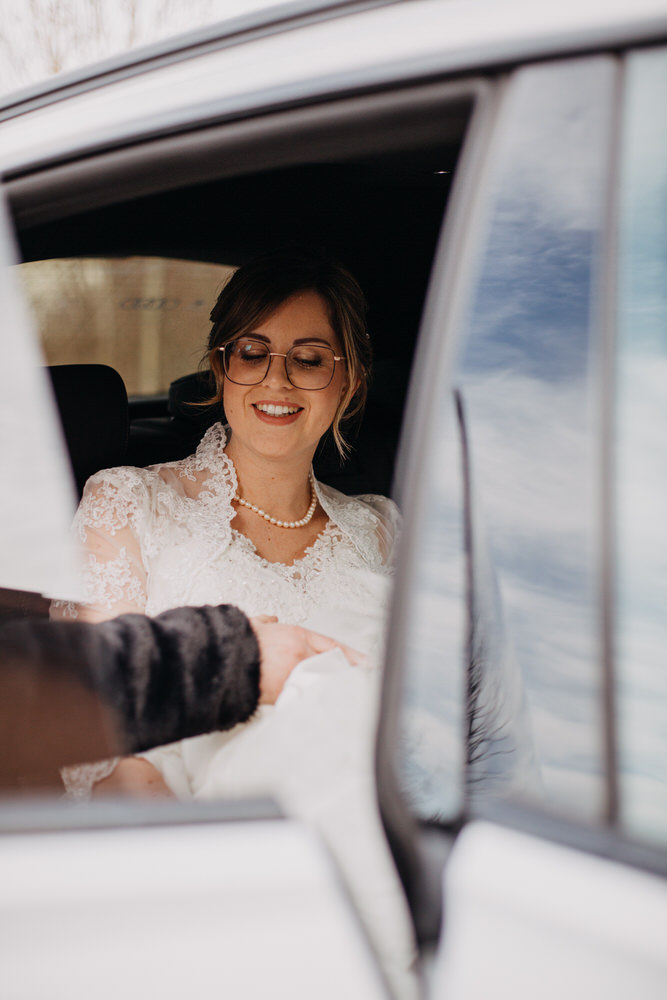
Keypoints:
pixel 243 521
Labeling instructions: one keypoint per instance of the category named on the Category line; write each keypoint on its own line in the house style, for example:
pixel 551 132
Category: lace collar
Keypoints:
pixel 354 516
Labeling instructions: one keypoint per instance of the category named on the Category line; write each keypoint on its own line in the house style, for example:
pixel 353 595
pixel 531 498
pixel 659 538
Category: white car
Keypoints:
pixel 495 174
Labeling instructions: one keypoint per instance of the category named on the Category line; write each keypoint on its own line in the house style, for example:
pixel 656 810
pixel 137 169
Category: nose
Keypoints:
pixel 277 373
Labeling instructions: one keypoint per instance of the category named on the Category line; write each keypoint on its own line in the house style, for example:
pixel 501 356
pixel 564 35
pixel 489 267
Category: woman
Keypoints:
pixel 243 521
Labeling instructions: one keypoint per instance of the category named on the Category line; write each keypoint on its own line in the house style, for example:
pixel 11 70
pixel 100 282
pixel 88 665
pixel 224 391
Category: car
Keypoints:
pixel 494 173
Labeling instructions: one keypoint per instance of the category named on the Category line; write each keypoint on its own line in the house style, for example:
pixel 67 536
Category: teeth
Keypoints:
pixel 276 411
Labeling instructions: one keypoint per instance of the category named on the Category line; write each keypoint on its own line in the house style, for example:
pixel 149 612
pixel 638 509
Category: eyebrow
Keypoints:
pixel 301 340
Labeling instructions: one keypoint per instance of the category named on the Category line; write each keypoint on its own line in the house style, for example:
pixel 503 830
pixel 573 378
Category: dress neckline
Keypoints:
pixel 356 518
pixel 211 456
pixel 309 553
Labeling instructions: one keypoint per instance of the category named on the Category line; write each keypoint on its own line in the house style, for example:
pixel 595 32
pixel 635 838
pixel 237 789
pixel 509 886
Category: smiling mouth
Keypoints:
pixel 277 409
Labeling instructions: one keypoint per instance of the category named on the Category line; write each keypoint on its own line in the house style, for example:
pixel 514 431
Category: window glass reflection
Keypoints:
pixel 505 632
pixel 641 468
pixel 528 381
pixel 502 647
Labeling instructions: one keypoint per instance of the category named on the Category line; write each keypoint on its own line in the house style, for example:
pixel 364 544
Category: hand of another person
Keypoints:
pixel 281 647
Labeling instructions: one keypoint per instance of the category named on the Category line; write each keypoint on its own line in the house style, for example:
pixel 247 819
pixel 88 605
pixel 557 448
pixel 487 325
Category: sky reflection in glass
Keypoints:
pixel 521 676
pixel 529 378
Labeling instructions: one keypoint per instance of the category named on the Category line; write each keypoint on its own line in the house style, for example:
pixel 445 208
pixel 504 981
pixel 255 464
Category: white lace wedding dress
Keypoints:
pixel 163 537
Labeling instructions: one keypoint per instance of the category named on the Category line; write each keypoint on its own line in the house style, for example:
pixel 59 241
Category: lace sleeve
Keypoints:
pixel 80 778
pixel 108 523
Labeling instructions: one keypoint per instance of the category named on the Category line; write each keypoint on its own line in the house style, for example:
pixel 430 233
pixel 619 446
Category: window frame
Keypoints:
pixel 394 118
pixel 340 128
pixel 421 850
pixel 652 852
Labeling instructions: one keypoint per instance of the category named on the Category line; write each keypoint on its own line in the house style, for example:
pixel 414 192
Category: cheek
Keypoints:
pixel 230 402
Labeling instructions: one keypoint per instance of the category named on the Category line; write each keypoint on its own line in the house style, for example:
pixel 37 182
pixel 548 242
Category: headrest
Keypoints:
pixel 94 414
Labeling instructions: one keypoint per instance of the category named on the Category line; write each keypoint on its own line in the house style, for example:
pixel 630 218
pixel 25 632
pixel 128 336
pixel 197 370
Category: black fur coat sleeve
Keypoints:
pixel 182 673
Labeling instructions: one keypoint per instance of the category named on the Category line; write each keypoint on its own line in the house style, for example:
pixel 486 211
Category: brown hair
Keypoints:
pixel 259 287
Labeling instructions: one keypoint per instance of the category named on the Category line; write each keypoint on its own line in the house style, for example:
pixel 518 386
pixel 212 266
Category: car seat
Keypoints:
pixel 95 416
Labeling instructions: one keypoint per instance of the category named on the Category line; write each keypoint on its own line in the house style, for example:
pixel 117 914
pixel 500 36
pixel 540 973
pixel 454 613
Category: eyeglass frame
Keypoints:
pixel 276 354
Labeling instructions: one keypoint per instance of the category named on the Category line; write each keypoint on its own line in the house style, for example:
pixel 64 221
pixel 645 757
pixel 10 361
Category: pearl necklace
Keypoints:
pixel 284 524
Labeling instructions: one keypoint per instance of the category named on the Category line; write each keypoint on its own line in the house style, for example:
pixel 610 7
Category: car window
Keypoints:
pixel 512 483
pixel 147 317
pixel 641 466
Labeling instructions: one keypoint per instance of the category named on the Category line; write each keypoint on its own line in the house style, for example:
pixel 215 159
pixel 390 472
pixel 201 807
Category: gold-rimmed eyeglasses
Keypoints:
pixel 307 366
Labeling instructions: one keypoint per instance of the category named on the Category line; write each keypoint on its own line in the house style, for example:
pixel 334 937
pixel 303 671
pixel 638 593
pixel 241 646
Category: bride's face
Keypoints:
pixel 274 418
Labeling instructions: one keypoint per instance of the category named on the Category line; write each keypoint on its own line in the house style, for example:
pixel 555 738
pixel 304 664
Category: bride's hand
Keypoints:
pixel 135 777
pixel 281 647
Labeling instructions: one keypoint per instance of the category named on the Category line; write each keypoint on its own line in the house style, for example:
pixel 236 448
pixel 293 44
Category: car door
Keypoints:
pixel 524 717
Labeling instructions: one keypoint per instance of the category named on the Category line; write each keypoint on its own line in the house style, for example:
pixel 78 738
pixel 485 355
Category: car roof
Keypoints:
pixel 232 30
pixel 300 51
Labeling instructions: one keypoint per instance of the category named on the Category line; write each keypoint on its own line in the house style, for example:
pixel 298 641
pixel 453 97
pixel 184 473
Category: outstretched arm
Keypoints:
pixel 281 647
pixel 187 671
pixel 134 682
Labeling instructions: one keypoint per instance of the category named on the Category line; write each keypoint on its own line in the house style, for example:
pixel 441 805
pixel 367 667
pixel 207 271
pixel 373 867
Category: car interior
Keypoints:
pixel 369 187
pixel 386 235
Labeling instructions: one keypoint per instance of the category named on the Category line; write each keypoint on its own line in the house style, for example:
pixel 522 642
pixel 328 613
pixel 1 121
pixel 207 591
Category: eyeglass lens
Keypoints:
pixel 308 366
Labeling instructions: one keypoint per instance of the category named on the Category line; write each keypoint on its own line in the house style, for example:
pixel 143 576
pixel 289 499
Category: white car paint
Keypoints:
pixel 369 47
pixel 530 918
pixel 252 910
